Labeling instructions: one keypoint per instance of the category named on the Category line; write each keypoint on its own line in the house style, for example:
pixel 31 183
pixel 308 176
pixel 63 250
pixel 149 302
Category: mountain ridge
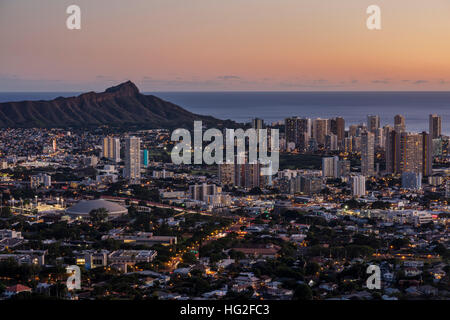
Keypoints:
pixel 120 105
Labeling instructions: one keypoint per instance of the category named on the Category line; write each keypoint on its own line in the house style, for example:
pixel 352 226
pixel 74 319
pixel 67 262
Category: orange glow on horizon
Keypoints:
pixel 298 45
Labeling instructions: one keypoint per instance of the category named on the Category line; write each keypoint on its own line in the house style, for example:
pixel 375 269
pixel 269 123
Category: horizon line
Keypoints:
pixel 246 91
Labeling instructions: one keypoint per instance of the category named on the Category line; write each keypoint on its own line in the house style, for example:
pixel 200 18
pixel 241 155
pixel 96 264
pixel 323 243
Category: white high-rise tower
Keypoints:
pixel 132 170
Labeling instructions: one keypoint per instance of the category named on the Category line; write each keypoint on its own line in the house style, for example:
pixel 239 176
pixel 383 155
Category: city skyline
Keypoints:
pixel 333 206
pixel 240 151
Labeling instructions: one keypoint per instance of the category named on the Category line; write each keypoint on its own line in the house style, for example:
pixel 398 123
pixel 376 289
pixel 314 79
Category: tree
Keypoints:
pixel 399 243
pixel 303 292
pixel 381 205
pixel 312 268
pixel 201 285
pixel 352 204
pixel 189 258
pixel 5 212
pixel 255 191
pixel 237 255
pixel 440 248
pixel 98 215
pixel 59 290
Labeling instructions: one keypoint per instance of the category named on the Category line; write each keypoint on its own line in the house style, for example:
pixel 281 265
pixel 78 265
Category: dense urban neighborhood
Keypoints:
pixel 112 202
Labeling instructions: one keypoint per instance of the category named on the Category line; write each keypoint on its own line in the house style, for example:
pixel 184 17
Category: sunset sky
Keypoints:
pixel 214 45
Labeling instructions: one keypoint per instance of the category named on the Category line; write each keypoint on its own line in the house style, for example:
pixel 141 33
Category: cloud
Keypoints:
pixel 309 84
pixel 12 82
pixel 383 81
pixel 229 77
pixel 177 83
pixel 320 81
pixel 420 81
pixel 227 82
pixel 15 83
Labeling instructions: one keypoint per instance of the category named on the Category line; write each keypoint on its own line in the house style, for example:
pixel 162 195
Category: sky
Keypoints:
pixel 225 45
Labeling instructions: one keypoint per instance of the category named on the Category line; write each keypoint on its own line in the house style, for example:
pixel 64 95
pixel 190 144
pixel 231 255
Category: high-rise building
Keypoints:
pixel 144 158
pixel 298 131
pixel 348 144
pixel 399 123
pixel 305 184
pixel 257 123
pixel 252 175
pixel 41 179
pixel 379 138
pixel 294 184
pixel 410 153
pixel 226 174
pixel 337 127
pixel 340 130
pixel 391 146
pixel 132 170
pixel 330 167
pixel 427 154
pixel 367 154
pixel 333 126
pixel 310 185
pixel 91 161
pixel 312 145
pixel 343 168
pixel 111 149
pixel 438 147
pixel 246 175
pixel 435 126
pixel 352 130
pixel 202 191
pixel 356 144
pixel 373 123
pixel 412 180
pixel 386 131
pixel 331 142
pixel 320 130
pixel 359 186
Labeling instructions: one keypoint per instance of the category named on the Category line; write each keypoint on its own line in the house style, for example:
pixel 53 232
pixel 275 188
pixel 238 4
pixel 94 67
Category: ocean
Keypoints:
pixel 274 106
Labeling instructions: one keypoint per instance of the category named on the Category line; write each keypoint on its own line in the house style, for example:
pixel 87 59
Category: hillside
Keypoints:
pixel 122 105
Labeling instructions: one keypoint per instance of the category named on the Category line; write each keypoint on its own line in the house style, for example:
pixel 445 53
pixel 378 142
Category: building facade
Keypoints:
pixel 367 154
pixel 132 171
pixel 111 149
